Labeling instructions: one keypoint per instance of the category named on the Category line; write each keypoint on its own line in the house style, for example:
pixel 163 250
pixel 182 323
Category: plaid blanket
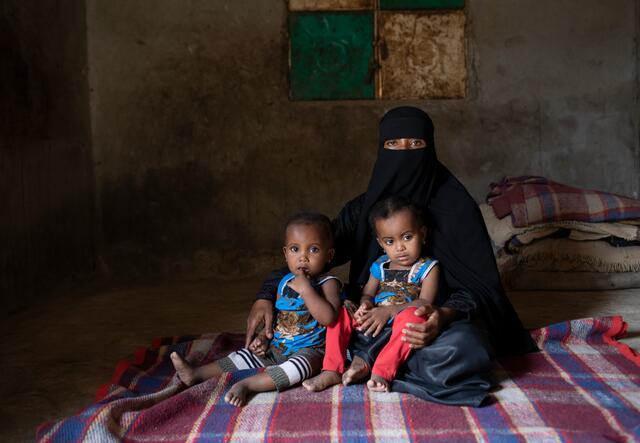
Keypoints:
pixel 532 200
pixel 584 386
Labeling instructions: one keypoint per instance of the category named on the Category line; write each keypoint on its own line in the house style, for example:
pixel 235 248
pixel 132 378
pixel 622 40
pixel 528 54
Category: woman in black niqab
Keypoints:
pixel 407 172
pixel 472 320
pixel 457 235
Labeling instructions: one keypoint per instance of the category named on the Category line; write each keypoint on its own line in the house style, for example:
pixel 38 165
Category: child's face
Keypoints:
pixel 306 249
pixel 401 237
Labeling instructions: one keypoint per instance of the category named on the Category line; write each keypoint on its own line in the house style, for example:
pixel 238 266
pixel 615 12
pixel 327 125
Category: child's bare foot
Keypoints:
pixel 237 395
pixel 378 384
pixel 358 370
pixel 185 372
pixel 322 381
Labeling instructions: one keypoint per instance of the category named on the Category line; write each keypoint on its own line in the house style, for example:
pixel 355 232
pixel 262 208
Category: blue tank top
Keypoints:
pixel 399 286
pixel 295 327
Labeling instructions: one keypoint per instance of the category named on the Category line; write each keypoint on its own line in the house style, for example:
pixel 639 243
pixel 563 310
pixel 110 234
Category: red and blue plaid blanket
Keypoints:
pixel 532 200
pixel 584 386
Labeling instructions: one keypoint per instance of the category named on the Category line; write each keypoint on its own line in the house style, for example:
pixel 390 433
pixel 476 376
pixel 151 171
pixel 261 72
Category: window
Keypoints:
pixel 377 49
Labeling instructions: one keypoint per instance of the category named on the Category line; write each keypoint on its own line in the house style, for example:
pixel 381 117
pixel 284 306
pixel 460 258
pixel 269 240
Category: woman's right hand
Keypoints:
pixel 261 311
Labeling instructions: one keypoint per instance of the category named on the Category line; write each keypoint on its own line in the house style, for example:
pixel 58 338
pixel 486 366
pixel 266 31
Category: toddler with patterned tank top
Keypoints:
pixel 306 303
pixel 399 281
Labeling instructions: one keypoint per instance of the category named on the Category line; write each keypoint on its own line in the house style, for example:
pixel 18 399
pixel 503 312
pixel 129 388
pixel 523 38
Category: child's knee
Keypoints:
pixel 408 316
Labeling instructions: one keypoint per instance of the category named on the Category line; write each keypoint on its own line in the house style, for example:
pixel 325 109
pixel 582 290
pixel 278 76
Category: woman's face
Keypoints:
pixel 403 144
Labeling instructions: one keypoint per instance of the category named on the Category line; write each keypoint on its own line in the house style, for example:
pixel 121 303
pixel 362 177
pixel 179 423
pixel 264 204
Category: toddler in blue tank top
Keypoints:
pixel 306 303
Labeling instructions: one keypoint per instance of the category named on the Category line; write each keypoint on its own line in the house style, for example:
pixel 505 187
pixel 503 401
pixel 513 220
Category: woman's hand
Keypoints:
pixel 261 312
pixel 419 335
pixel 374 320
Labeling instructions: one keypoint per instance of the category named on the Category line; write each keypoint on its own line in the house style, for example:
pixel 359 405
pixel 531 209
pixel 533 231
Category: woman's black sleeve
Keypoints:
pixel 462 245
pixel 270 285
pixel 460 299
pixel 464 248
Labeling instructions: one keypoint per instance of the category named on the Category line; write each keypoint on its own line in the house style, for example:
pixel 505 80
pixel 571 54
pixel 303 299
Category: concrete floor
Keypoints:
pixel 55 355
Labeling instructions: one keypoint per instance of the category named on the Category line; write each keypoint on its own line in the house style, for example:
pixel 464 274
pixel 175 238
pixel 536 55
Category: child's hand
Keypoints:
pixel 374 320
pixel 300 282
pixel 259 345
pixel 364 307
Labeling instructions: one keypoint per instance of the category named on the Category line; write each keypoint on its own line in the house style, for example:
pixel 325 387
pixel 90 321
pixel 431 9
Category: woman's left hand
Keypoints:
pixel 419 335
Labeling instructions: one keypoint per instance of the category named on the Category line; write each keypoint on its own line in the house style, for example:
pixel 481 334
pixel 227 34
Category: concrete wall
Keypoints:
pixel 199 154
pixel 46 186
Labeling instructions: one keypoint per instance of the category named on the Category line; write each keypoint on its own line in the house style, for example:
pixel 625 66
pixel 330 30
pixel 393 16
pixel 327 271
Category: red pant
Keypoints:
pixel 394 354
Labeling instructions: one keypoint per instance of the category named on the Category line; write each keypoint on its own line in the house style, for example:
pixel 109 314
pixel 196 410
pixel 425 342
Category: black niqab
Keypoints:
pixel 409 173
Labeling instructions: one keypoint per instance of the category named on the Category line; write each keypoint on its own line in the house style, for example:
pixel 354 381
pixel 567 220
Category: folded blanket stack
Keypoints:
pixel 553 236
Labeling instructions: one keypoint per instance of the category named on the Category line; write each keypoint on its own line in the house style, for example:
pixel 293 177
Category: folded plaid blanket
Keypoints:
pixel 584 386
pixel 532 200
pixel 503 233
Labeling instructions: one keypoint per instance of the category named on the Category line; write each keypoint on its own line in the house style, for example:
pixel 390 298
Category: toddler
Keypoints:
pixel 305 305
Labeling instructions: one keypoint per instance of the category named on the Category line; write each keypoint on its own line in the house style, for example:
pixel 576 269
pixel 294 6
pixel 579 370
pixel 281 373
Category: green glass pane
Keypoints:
pixel 421 4
pixel 331 55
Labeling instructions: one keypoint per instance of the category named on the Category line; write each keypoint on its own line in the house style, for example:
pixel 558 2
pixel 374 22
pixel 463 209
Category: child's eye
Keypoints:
pixel 407 237
pixel 314 249
pixel 388 242
pixel 293 249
